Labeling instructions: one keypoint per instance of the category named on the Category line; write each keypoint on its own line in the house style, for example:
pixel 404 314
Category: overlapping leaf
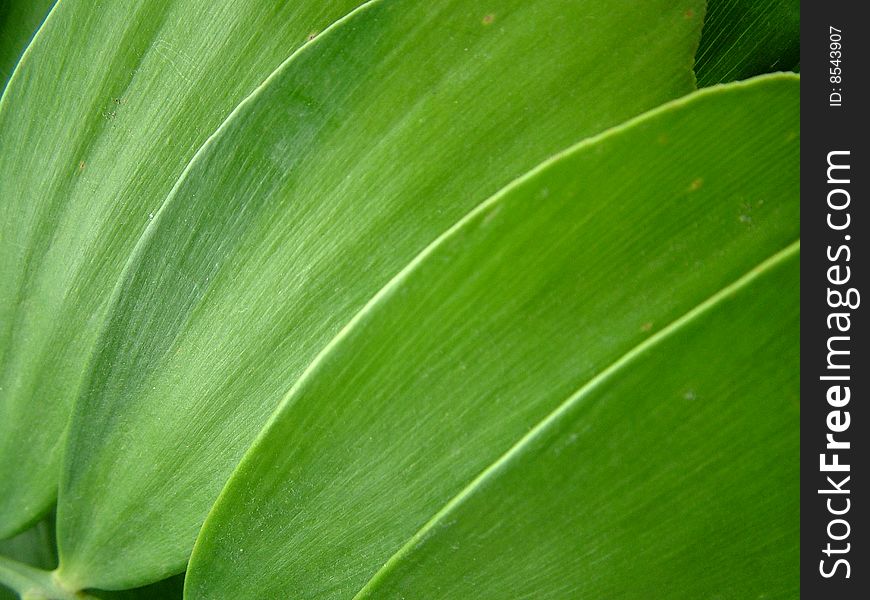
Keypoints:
pixel 357 153
pixel 531 297
pixel 107 107
pixel 430 447
pixel 676 470
pixel 743 38
pixel 19 20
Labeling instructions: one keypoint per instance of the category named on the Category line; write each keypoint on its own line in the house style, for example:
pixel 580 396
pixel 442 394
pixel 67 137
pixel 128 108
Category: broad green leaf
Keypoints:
pixel 107 107
pixel 743 38
pixel 360 150
pixel 529 298
pixel 676 469
pixel 19 20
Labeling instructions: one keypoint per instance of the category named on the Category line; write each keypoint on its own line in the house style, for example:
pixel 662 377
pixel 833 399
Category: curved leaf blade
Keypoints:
pixel 676 470
pixel 492 327
pixel 744 38
pixel 19 20
pixel 330 179
pixel 81 180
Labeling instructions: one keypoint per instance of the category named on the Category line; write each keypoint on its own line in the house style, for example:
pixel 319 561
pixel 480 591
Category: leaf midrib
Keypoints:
pixel 552 419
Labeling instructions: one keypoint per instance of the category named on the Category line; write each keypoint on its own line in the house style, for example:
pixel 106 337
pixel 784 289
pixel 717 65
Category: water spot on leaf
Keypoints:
pixel 745 215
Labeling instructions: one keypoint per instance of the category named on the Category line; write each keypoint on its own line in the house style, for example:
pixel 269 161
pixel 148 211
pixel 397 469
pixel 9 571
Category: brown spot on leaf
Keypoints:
pixel 81 165
pixel 646 327
pixel 488 19
pixel 689 13
pixel 696 185
pixel 311 36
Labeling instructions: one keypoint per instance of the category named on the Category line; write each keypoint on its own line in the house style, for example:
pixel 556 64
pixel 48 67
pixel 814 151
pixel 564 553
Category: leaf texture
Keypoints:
pixel 673 470
pixel 528 299
pixel 744 38
pixel 357 153
pixel 108 106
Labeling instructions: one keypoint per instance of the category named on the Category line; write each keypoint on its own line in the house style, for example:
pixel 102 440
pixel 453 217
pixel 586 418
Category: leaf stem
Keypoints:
pixel 35 584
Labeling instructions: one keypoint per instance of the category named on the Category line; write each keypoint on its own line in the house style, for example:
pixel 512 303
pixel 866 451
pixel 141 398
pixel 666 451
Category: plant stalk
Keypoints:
pixel 35 584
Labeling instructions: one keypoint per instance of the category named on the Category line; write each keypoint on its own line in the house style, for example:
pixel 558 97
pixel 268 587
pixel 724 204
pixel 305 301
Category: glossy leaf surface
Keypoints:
pixel 528 299
pixel 320 188
pixel 108 106
pixel 673 470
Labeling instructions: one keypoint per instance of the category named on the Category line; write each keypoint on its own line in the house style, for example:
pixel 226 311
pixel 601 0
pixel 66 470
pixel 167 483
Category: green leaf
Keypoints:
pixel 360 151
pixel 536 294
pixel 675 469
pixel 19 20
pixel 107 107
pixel 743 38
